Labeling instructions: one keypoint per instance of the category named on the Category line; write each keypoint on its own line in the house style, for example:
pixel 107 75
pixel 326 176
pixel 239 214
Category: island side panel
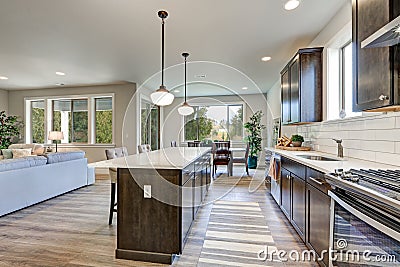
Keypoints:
pixel 148 229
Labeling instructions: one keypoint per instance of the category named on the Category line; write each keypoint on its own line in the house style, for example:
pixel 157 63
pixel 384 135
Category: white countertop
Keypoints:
pixel 166 158
pixel 330 166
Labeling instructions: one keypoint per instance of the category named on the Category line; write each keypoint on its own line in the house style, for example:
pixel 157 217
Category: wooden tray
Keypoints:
pixel 292 148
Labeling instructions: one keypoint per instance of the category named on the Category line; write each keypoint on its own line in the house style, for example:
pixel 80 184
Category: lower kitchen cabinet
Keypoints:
pixel 306 204
pixel 299 205
pixel 286 199
pixel 187 208
pixel 318 213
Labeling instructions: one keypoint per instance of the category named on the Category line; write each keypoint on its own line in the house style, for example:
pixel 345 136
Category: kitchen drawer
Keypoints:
pixel 294 167
pixel 317 179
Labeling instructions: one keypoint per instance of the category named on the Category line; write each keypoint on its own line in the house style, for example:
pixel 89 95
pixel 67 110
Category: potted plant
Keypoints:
pixel 254 128
pixel 297 140
pixel 10 128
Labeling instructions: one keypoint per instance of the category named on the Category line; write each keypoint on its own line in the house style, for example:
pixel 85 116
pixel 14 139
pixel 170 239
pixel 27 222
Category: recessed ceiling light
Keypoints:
pixel 60 73
pixel 245 88
pixel 176 91
pixel 292 4
pixel 3 78
pixel 266 58
pixel 60 84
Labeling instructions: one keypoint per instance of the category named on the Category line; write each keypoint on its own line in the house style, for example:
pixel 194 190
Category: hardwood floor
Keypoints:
pixel 72 229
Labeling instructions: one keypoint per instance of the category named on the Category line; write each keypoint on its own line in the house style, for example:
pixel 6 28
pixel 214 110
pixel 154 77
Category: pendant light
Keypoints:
pixel 185 109
pixel 162 97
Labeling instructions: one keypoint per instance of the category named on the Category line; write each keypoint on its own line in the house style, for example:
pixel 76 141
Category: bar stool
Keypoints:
pixel 113 154
pixel 144 148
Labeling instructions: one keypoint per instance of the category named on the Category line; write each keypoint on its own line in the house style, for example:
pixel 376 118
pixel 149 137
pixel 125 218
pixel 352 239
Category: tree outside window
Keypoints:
pixel 219 122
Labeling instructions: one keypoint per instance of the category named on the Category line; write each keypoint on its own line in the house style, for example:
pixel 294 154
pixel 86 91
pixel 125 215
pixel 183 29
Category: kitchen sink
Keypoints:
pixel 320 158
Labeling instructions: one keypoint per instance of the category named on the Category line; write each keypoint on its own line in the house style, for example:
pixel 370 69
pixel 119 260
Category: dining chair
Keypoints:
pixel 194 143
pixel 144 148
pixel 221 155
pixel 241 160
pixel 113 154
pixel 173 144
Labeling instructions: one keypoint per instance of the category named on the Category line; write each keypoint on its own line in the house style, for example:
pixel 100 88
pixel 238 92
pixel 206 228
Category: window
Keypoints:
pixel 71 118
pixel 104 115
pixel 217 122
pixel 83 120
pixel 340 83
pixel 150 120
pixel 37 121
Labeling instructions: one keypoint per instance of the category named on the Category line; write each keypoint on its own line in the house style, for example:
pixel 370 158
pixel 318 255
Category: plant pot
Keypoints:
pixel 297 143
pixel 252 162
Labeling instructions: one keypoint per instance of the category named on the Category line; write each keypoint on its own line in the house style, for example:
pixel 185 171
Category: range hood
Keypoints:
pixel 388 35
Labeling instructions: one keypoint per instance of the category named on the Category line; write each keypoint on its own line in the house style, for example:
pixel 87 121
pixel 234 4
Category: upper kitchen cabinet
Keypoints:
pixel 301 87
pixel 376 71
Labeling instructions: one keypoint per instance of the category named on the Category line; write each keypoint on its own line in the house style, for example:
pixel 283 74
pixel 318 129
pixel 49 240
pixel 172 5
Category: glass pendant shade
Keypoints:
pixel 185 109
pixel 162 97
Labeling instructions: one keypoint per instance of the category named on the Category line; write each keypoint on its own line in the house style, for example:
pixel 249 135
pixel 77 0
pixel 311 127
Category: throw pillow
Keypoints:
pixel 21 153
pixel 7 153
pixel 1 157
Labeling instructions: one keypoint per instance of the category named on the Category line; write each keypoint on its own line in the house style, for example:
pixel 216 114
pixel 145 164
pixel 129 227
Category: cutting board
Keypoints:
pixel 292 148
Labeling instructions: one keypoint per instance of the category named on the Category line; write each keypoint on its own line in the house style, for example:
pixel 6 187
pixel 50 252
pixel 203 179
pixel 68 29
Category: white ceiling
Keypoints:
pixel 103 41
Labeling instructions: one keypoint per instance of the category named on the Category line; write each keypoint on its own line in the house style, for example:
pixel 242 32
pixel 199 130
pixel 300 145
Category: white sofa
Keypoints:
pixel 26 186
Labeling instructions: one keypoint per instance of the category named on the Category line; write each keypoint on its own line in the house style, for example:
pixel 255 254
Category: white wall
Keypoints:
pixel 4 100
pixel 125 133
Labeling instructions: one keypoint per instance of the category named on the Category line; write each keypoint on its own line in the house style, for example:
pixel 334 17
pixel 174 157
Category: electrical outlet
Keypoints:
pixel 147 191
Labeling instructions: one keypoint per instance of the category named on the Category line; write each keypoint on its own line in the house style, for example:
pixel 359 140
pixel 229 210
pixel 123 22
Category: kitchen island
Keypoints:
pixel 159 194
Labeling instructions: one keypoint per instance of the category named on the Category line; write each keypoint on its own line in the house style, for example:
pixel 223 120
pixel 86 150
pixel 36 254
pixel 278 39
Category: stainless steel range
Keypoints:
pixel 365 217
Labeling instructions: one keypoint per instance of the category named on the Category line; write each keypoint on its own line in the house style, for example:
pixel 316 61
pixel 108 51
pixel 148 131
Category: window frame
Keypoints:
pixel 48 102
pixel 145 99
pixel 226 104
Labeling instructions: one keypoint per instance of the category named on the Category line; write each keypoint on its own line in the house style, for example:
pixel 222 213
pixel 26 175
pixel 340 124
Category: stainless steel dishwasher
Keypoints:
pixel 276 181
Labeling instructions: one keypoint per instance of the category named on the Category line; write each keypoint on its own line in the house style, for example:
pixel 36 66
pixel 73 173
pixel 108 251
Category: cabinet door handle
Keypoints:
pixel 316 181
pixel 383 97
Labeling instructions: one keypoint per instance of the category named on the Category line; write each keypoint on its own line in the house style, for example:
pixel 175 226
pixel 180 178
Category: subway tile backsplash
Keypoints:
pixel 373 137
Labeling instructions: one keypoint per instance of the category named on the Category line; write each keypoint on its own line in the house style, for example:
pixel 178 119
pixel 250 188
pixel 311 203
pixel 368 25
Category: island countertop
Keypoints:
pixel 165 158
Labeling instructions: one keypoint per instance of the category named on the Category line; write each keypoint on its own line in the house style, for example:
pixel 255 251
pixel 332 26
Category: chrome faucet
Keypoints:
pixel 339 147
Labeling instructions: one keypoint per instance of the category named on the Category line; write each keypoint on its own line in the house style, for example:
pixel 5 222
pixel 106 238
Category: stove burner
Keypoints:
pixel 389 179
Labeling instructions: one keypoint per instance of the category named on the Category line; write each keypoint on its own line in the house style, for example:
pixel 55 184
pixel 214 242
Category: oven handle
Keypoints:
pixel 377 225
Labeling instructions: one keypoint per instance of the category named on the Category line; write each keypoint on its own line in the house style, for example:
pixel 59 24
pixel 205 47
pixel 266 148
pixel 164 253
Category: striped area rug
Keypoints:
pixel 235 233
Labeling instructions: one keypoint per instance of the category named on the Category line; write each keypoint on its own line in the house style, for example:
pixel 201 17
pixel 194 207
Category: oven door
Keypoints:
pixel 362 234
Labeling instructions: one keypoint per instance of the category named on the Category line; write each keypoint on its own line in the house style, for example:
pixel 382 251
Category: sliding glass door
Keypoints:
pixel 150 124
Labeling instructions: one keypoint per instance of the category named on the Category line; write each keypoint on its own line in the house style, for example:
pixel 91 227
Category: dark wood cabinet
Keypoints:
pixel 299 205
pixel 285 95
pixel 187 208
pixel 286 193
pixel 306 204
pixel 376 70
pixel 301 87
pixel 294 90
pixel 318 213
pixel 154 230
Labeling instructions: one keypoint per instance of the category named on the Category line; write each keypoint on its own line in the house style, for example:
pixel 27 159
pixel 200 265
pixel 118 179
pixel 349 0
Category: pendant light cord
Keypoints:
pixel 185 79
pixel 162 53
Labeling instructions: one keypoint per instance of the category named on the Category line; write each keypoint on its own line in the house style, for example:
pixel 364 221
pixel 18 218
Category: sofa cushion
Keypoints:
pixel 21 163
pixel 7 153
pixel 36 161
pixel 37 149
pixel 64 156
pixel 21 153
